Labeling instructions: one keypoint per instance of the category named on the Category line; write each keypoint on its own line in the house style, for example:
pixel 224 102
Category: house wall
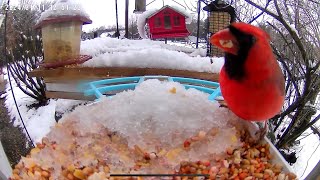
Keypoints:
pixel 161 29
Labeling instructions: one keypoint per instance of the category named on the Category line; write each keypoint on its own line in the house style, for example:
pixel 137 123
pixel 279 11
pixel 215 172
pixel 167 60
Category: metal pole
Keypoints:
pixel 198 24
pixel 127 20
pixel 132 27
pixel 117 20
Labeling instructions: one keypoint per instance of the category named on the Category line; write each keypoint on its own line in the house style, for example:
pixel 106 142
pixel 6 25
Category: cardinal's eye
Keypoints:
pixel 253 39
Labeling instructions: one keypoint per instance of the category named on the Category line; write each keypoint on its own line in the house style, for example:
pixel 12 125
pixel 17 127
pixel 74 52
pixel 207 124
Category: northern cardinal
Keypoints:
pixel 251 80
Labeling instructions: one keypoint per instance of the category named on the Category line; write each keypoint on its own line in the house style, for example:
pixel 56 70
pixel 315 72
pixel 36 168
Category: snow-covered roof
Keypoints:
pixel 65 9
pixel 179 10
pixel 142 20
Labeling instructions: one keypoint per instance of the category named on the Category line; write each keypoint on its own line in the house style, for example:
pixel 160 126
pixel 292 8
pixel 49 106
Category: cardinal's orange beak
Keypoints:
pixel 225 41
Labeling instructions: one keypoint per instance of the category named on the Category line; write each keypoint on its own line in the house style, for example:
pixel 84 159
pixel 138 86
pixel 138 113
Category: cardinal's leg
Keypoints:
pixel 261 133
pixel 257 133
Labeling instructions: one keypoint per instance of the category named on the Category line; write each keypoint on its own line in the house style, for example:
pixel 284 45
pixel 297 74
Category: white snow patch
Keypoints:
pixel 199 52
pixel 64 106
pixel 308 156
pixel 293 28
pixel 112 52
pixel 1 19
pixel 184 12
pixel 39 120
pixel 192 39
pixel 142 20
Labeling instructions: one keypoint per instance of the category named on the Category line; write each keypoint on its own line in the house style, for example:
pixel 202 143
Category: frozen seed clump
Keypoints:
pixel 160 127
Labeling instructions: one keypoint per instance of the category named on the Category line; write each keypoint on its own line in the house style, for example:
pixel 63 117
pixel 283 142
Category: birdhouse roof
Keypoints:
pixel 180 11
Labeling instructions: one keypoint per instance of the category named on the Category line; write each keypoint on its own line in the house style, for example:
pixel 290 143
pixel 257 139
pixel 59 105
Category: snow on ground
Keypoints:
pixel 1 19
pixel 308 156
pixel 38 121
pixel 146 54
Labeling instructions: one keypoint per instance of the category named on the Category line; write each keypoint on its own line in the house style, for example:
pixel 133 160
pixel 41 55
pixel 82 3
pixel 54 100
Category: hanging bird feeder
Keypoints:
pixel 61 28
pixel 220 14
pixel 140 6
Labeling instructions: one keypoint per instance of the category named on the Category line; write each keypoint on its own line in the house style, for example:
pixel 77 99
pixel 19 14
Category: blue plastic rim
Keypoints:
pixel 101 87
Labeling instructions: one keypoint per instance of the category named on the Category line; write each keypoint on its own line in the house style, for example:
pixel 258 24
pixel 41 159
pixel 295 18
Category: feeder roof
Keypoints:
pixel 219 5
pixel 63 10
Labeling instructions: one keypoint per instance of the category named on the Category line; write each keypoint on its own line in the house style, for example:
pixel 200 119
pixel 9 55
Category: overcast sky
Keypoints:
pixel 103 13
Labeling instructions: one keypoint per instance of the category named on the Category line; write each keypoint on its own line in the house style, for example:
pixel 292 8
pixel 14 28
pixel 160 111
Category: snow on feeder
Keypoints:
pixel 220 16
pixel 61 28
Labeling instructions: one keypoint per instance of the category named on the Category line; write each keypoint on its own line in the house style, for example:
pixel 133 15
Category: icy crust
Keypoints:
pixel 64 8
pixel 160 119
pixel 157 111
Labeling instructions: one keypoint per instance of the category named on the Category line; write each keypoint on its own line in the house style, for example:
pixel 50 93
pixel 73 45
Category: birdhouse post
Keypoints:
pixel 61 34
pixel 220 16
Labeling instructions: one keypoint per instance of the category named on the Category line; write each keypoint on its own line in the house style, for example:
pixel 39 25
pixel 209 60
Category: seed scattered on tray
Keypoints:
pixel 158 130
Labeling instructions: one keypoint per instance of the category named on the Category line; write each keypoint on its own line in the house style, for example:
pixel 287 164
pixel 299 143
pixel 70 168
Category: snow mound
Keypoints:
pixel 111 52
pixel 157 110
pixel 199 52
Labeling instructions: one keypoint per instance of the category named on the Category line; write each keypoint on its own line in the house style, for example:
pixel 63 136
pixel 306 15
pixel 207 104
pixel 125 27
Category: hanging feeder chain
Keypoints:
pixel 8 71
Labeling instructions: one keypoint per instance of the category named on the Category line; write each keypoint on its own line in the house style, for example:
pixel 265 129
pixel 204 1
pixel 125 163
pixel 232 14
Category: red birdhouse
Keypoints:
pixel 168 22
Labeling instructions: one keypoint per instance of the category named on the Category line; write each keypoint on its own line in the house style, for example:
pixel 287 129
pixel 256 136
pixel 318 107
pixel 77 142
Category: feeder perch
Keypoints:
pixel 61 37
pixel 220 16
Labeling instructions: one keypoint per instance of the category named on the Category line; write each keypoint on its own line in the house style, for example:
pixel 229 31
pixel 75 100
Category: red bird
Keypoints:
pixel 251 80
